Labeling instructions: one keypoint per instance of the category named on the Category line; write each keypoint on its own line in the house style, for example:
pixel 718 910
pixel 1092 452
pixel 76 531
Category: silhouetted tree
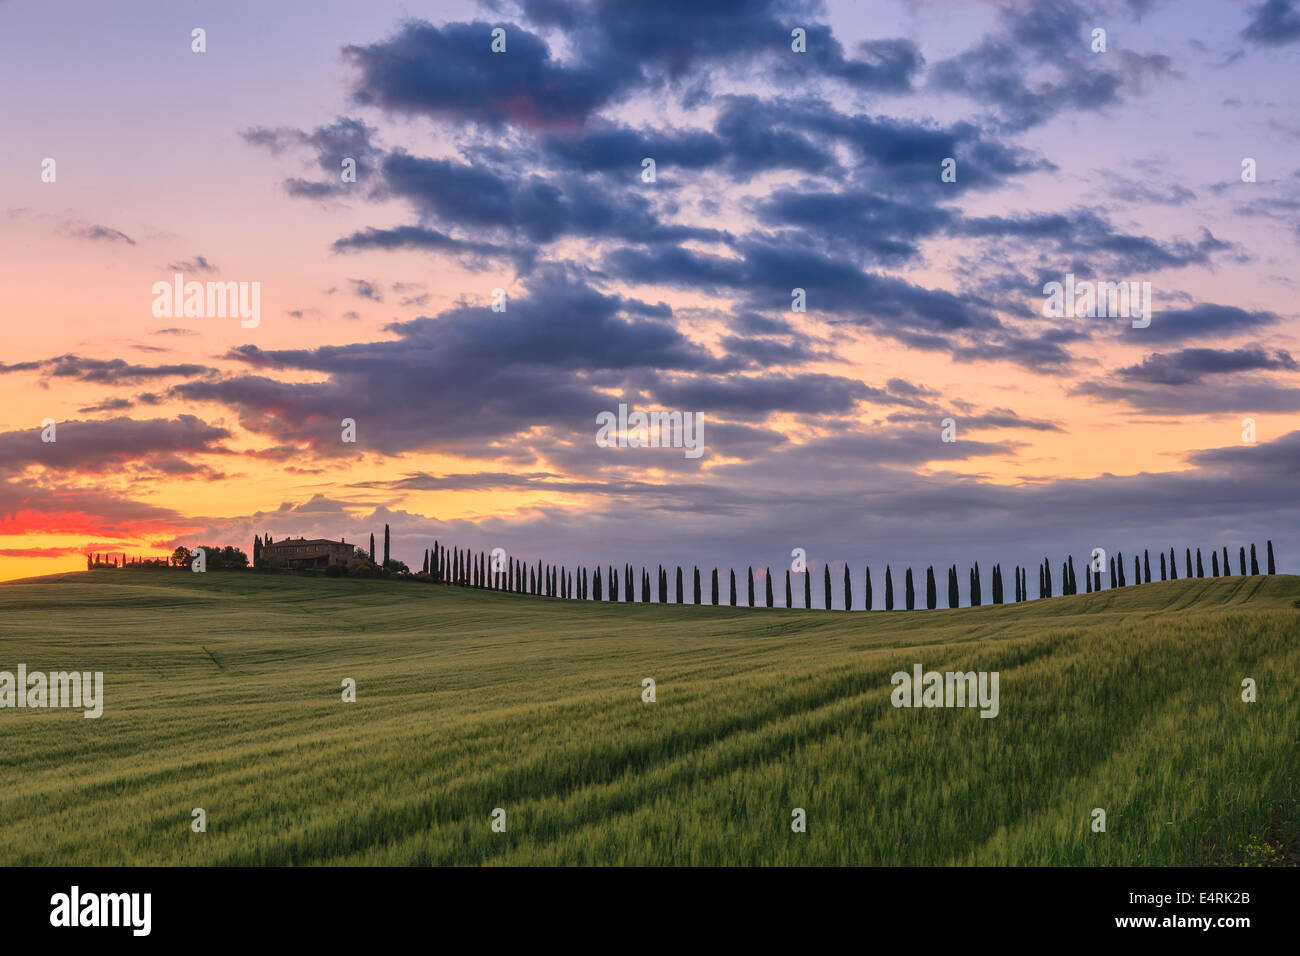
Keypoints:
pixel 1173 566
pixel 715 586
pixel 1047 576
pixel 1214 563
pixel 1087 579
pixel 1200 568
pixel 909 590
pixel 1146 564
pixel 1137 570
pixel 698 595
pixel 767 578
pixel 997 584
pixel 1189 562
pixel 1074 581
pixel 867 596
pixel 596 590
pixel 976 589
pixel 1114 578
pixel 931 590
pixel 386 555
pixel 1272 567
pixel 681 598
pixel 826 586
pixel 733 586
pixel 1241 560
pixel 789 597
pixel 1254 563
pixel 807 588
pixel 889 589
pixel 372 547
pixel 1227 565
pixel 954 593
pixel 1162 566
pixel 751 586
pixel 1119 560
pixel 848 589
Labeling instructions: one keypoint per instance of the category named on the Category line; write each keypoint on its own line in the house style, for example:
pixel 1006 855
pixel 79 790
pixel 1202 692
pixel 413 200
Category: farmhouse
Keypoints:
pixel 309 553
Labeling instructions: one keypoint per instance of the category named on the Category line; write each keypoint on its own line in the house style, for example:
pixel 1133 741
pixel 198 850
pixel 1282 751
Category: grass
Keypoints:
pixel 223 692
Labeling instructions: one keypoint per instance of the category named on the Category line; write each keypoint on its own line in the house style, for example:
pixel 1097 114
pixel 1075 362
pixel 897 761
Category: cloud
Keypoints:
pixel 1273 23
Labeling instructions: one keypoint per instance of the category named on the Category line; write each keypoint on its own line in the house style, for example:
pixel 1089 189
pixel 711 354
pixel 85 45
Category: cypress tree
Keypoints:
pixel 866 598
pixel 372 547
pixel 1241 560
pixel 1074 581
pixel 1047 575
pixel 1120 561
pixel 596 590
pixel 931 590
pixel 767 577
pixel 680 598
pixel 954 593
pixel 750 577
pixel 715 586
pixel 1114 578
pixel 385 545
pixel 1254 563
pixel 1087 580
pixel 1173 566
pixel 826 587
pixel 424 570
pixel 848 589
pixel 789 598
pixel 645 586
pixel 807 588
pixel 1214 563
pixel 889 589
pixel 909 590
pixel 733 586
pixel 1189 562
pixel 1272 567
pixel 613 584
pixel 1137 570
pixel 997 584
pixel 1227 565
pixel 1200 568
pixel 1146 563
pixel 698 595
pixel 1162 567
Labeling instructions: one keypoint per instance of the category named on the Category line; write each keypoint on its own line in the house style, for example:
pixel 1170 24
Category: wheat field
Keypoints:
pixel 223 691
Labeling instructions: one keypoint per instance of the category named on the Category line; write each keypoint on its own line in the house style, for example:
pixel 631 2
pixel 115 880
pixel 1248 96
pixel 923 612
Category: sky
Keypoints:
pixel 521 172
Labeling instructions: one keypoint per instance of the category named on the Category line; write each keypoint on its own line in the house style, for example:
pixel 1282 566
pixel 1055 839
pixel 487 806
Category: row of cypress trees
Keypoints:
pixel 457 566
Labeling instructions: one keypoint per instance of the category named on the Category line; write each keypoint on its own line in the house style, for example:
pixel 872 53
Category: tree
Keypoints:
pixel 976 590
pixel 1189 562
pixel 954 592
pixel 681 599
pixel 596 590
pixel 1254 562
pixel 372 547
pixel 1146 563
pixel 1041 585
pixel 1087 579
pixel 909 590
pixel 807 589
pixel 789 598
pixel 1200 568
pixel 997 584
pixel 1241 560
pixel 889 589
pixel 848 589
pixel 767 577
pixel 1137 570
pixel 1120 561
pixel 182 556
pixel 826 587
pixel 697 586
pixel 1173 566
pixel 866 599
pixel 1214 563
pixel 1047 575
pixel 1074 582
pixel 715 586
pixel 931 590
pixel 1114 578
pixel 751 586
pixel 733 586
pixel 386 555
pixel 1272 567
pixel 1162 567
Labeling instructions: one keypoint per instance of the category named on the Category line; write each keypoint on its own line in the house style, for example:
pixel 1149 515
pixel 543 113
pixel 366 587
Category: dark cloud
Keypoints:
pixel 1273 23
pixel 198 264
pixel 105 371
pixel 1190 366
pixel 1206 320
pixel 94 447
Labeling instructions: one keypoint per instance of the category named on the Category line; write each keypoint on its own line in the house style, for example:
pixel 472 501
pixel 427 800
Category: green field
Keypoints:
pixel 223 692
